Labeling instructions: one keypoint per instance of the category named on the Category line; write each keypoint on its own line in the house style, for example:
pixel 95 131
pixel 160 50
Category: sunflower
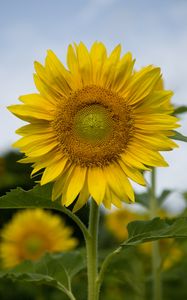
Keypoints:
pixel 31 233
pixel 95 124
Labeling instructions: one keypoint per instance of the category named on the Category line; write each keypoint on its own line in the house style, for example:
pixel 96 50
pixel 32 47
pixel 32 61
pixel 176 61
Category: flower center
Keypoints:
pixel 93 127
pixel 33 246
pixel 92 123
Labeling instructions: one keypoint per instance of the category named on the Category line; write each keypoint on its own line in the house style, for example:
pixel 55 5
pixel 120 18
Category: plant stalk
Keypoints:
pixel 156 259
pixel 92 251
pixel 104 267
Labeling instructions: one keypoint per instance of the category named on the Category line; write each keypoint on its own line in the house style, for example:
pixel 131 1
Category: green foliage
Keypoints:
pixel 124 276
pixel 180 110
pixel 147 231
pixel 163 196
pixel 14 174
pixel 143 199
pixel 179 137
pixel 56 270
pixel 39 196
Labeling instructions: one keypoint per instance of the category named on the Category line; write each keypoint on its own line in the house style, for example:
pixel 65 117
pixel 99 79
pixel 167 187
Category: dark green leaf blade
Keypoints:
pixel 52 269
pixel 39 196
pixel 179 137
pixel 164 195
pixel 180 110
pixel 143 199
pixel 39 272
pixel 147 231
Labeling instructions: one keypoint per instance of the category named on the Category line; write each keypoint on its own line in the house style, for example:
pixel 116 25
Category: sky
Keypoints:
pixel 154 31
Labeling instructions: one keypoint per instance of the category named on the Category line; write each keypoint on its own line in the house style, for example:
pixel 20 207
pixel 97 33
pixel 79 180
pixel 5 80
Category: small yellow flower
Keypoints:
pixel 31 233
pixel 95 124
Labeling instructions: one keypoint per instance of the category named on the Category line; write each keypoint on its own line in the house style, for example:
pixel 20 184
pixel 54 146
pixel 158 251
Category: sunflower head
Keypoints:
pixel 31 233
pixel 95 124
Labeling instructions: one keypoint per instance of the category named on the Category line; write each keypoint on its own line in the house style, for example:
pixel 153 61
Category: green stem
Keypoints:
pixel 67 292
pixel 70 295
pixel 156 259
pixel 92 247
pixel 104 267
pixel 79 223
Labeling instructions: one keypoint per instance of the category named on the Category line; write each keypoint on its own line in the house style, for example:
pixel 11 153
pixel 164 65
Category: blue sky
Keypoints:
pixel 154 31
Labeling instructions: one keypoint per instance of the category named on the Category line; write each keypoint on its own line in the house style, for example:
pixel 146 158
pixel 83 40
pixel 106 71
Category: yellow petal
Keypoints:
pixel 123 72
pixel 59 185
pixel 34 129
pixel 132 161
pixel 32 140
pixel 82 198
pixel 132 173
pixel 155 127
pixel 28 112
pixel 109 67
pixel 156 102
pixel 26 160
pixel 142 83
pixel 118 182
pixel 116 202
pixel 75 184
pixel 37 100
pixel 98 55
pixel 50 82
pixel 73 65
pixel 85 66
pixel 59 72
pixel 158 121
pixel 96 184
pixel 53 171
pixel 147 156
pixel 41 149
pixel 107 201
pixel 47 92
pixel 157 142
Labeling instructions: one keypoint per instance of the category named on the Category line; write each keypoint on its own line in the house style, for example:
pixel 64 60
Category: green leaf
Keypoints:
pixel 164 195
pixel 179 136
pixel 147 231
pixel 180 110
pixel 55 270
pixel 39 196
pixel 143 199
pixel 125 271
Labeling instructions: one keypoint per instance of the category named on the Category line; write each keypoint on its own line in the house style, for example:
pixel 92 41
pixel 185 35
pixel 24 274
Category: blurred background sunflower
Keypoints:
pixel 31 233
